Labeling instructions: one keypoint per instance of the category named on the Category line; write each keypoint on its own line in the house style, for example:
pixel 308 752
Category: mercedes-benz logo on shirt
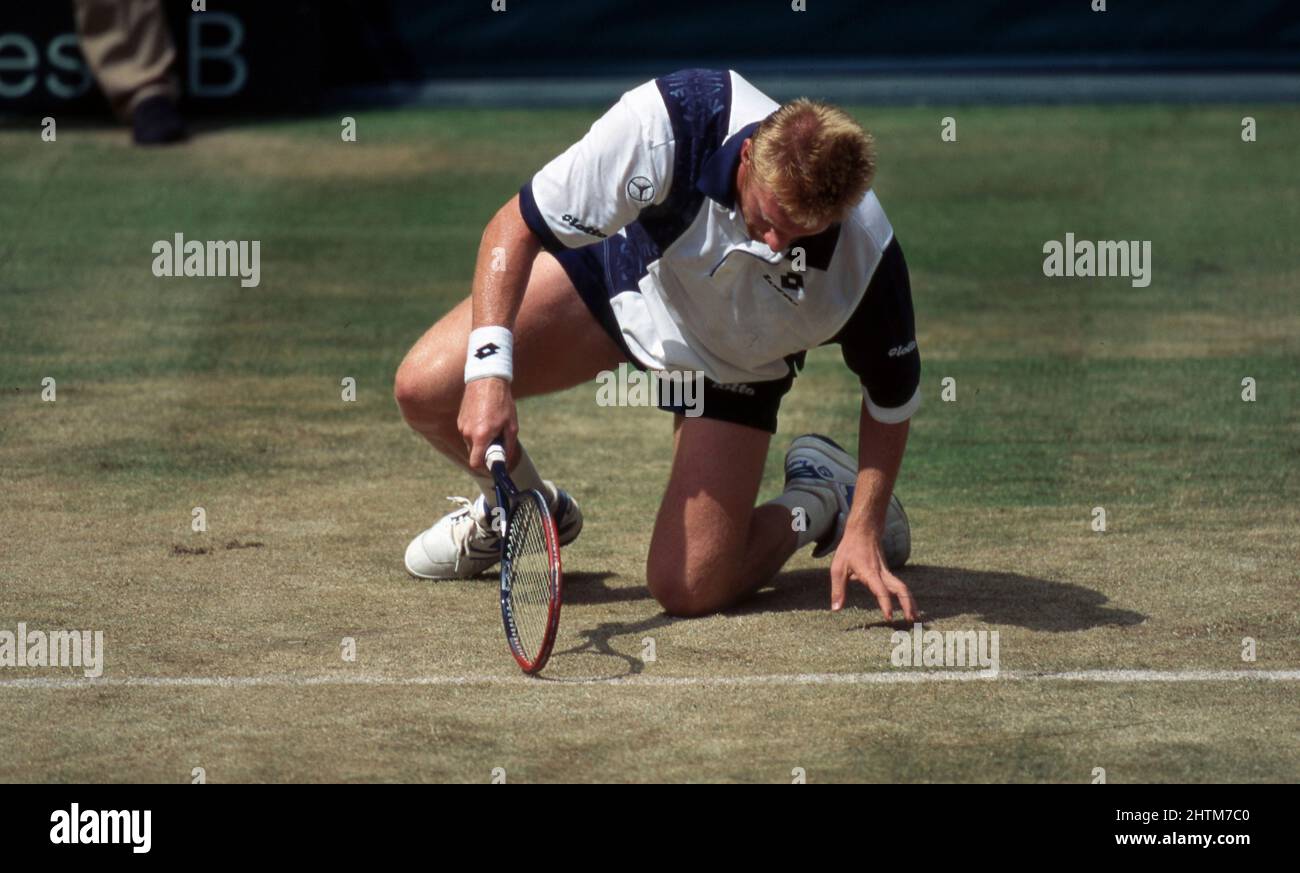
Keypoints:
pixel 640 189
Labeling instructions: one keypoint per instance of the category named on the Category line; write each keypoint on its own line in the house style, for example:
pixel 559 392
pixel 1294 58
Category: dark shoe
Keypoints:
pixel 157 121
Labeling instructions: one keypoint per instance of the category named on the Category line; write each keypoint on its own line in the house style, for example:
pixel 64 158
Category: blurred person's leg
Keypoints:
pixel 129 50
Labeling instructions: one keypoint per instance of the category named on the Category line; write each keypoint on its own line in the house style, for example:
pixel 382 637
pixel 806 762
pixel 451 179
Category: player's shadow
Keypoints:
pixel 994 597
pixel 593 588
pixel 998 598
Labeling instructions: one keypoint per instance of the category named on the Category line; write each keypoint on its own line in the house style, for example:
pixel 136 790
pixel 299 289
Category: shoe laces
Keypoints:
pixel 802 468
pixel 465 523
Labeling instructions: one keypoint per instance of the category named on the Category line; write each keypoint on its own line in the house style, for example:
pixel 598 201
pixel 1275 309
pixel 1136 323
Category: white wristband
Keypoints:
pixel 491 353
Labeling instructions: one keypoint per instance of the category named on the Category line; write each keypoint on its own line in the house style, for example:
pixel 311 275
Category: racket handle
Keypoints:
pixel 496 454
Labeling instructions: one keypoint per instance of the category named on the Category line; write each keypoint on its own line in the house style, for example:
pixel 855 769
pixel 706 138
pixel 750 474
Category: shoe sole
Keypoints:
pixel 451 578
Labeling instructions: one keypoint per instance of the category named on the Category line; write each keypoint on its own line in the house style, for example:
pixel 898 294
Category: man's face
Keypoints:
pixel 763 216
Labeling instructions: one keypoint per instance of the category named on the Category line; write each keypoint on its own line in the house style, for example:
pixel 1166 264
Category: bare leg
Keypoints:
pixel 128 48
pixel 710 546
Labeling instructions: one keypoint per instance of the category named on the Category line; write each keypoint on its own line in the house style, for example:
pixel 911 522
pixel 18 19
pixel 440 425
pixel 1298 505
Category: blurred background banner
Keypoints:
pixel 243 55
pixel 239 56
pixel 607 37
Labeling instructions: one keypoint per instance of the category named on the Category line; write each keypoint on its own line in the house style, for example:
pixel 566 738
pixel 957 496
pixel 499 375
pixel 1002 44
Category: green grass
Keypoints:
pixel 1071 394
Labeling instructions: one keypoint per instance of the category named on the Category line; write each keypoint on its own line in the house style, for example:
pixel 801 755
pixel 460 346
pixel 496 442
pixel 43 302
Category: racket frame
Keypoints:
pixel 509 497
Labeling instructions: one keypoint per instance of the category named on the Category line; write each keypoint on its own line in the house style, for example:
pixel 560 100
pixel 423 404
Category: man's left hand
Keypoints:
pixel 859 557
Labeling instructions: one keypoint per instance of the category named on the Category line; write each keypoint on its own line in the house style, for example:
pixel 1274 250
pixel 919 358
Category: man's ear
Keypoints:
pixel 744 150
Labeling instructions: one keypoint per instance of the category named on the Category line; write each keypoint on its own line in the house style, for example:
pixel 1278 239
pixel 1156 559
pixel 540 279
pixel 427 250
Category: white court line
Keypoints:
pixel 889 677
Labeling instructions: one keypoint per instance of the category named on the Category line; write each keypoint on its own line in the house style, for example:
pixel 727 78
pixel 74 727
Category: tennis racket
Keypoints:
pixel 531 578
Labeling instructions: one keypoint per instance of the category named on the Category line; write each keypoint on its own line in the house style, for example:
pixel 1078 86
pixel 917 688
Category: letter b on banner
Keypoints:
pixel 225 53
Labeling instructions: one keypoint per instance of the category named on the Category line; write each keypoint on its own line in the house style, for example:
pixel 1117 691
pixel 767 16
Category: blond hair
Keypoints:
pixel 816 160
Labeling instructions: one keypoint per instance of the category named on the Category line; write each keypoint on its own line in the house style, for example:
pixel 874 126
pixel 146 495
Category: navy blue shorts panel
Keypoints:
pixel 752 404
pixel 587 273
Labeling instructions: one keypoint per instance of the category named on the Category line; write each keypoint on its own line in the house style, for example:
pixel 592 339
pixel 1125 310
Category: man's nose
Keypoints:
pixel 775 241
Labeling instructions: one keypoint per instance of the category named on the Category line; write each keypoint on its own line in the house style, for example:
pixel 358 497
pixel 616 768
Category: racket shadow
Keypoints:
pixel 599 642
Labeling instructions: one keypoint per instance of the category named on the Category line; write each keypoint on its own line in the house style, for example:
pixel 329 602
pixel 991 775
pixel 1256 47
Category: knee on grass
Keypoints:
pixel 686 592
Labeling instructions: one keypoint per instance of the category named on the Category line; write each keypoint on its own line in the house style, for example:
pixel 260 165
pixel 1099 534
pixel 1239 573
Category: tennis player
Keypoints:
pixel 696 227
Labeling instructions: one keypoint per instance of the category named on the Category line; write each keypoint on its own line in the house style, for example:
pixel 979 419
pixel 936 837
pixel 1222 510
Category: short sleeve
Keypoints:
pixel 601 183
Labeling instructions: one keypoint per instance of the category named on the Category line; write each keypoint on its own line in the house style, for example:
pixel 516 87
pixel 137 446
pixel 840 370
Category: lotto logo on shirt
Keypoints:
pixel 576 224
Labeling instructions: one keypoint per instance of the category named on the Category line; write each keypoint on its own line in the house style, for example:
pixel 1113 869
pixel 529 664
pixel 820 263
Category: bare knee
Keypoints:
pixel 408 387
pixel 687 590
pixel 423 390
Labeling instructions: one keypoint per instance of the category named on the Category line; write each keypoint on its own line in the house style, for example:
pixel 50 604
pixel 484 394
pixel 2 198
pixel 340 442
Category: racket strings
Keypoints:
pixel 531 588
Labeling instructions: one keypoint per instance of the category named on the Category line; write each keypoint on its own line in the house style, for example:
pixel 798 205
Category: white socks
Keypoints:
pixel 524 475
pixel 813 511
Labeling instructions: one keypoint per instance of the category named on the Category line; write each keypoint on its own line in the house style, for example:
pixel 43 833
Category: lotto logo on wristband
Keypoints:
pixel 490 354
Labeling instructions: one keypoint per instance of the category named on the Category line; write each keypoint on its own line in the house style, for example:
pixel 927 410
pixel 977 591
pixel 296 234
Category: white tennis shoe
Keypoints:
pixel 819 464
pixel 463 543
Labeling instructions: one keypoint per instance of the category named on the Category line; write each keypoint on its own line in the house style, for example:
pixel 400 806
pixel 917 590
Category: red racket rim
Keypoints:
pixel 556 584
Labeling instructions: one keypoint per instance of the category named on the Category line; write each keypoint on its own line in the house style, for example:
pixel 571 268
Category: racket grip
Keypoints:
pixel 496 454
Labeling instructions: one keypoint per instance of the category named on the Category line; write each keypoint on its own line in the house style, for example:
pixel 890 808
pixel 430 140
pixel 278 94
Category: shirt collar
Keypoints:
pixel 718 175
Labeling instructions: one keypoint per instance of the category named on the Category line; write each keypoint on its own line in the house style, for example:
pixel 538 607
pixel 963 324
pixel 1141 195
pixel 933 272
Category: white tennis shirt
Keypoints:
pixel 652 186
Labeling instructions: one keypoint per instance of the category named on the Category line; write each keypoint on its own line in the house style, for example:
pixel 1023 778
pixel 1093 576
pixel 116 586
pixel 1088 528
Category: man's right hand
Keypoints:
pixel 486 411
